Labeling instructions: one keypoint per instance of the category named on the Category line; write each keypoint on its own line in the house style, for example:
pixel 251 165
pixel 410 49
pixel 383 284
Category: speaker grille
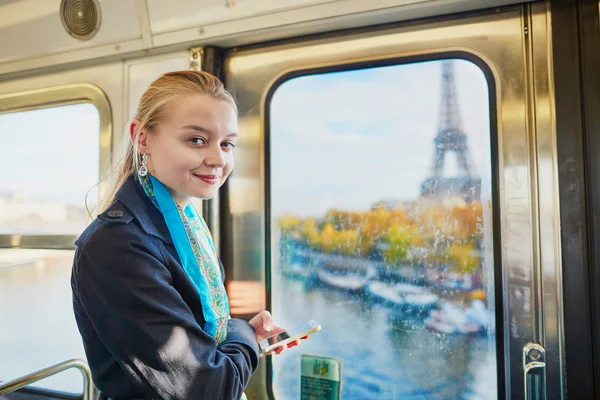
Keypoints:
pixel 80 18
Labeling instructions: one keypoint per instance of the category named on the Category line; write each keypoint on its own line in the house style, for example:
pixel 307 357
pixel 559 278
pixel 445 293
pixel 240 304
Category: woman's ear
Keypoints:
pixel 140 138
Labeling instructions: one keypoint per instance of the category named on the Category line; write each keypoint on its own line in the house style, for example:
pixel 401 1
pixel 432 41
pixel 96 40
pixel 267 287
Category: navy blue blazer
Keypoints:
pixel 140 316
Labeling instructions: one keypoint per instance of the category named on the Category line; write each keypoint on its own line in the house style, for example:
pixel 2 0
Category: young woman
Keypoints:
pixel 148 290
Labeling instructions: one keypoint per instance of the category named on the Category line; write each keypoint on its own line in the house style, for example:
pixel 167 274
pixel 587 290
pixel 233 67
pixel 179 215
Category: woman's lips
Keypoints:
pixel 210 179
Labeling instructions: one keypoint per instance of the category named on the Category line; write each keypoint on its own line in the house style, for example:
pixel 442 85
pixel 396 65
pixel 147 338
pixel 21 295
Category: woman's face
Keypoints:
pixel 191 149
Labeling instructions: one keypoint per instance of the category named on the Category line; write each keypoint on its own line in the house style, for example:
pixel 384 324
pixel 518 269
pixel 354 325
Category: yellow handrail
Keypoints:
pixel 22 381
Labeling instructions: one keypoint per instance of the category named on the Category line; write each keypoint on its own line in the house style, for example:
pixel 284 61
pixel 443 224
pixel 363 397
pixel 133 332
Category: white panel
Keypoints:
pixel 37 30
pixel 108 77
pixel 252 21
pixel 37 38
pixel 142 73
pixel 169 16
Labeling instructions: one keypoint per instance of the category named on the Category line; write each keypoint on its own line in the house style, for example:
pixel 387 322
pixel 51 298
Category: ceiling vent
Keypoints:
pixel 80 18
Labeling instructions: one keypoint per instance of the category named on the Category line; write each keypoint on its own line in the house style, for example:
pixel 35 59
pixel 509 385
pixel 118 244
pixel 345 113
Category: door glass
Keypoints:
pixel 381 229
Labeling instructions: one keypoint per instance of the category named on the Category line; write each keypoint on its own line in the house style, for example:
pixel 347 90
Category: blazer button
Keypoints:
pixel 115 213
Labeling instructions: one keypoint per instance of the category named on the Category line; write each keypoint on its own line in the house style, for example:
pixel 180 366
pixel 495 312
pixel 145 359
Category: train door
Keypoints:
pixel 399 186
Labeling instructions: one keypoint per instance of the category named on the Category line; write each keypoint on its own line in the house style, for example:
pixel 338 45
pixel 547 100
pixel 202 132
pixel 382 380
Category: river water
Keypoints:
pixel 384 354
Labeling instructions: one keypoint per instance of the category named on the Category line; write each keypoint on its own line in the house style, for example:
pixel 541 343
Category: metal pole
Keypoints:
pixel 22 381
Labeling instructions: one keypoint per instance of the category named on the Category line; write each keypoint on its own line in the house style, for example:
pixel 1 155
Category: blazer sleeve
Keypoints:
pixel 127 294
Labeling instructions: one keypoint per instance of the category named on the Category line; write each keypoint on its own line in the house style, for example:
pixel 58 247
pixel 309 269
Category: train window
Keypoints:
pixel 377 236
pixel 50 161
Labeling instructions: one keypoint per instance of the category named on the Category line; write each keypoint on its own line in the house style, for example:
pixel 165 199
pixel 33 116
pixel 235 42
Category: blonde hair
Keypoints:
pixel 151 110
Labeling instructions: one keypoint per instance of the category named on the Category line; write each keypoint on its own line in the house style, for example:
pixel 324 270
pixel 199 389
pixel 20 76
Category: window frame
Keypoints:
pixel 495 180
pixel 53 97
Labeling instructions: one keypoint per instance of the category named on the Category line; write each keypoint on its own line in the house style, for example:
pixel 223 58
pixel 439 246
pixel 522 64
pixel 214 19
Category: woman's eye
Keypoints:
pixel 228 145
pixel 198 140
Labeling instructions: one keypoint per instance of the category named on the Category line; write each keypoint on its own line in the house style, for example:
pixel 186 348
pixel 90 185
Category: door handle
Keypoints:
pixel 534 371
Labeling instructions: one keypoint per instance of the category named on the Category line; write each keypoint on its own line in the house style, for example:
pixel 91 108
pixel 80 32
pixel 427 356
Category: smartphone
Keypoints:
pixel 287 336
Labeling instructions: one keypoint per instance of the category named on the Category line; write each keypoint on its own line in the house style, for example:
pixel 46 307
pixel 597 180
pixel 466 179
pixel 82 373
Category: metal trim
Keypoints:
pixel 548 276
pixel 52 97
pixel 196 58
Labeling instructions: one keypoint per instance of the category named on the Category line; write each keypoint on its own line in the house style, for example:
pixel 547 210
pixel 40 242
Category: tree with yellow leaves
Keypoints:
pixel 400 239
pixel 289 224
pixel 464 256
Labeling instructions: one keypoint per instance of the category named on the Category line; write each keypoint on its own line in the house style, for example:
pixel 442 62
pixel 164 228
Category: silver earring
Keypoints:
pixel 143 171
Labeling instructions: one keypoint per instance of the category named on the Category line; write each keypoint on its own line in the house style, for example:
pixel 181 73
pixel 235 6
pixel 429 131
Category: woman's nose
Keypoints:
pixel 216 158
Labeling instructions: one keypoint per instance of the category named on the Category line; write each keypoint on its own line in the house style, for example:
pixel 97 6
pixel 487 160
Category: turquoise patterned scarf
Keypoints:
pixel 197 254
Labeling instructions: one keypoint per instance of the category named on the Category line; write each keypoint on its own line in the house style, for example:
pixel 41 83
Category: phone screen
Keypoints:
pixel 289 335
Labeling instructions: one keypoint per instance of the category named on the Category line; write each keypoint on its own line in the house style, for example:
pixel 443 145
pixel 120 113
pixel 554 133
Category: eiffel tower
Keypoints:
pixel 451 137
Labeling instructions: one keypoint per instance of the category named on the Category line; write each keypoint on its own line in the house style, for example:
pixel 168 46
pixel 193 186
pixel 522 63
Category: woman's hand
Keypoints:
pixel 264 327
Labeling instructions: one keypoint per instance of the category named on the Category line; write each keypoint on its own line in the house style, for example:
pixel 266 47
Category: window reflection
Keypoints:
pixel 377 237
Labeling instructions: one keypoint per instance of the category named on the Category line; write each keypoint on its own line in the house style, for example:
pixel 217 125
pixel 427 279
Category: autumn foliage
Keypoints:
pixel 417 233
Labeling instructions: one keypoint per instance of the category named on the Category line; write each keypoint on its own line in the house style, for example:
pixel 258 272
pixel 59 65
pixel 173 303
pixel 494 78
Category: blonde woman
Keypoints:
pixel 148 290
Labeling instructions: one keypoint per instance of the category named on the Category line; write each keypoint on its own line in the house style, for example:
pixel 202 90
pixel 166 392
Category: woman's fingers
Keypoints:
pixel 267 320
pixel 284 347
pixel 279 349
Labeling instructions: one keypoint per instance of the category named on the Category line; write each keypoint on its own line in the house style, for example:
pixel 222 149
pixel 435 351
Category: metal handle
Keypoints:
pixel 22 381
pixel 534 362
